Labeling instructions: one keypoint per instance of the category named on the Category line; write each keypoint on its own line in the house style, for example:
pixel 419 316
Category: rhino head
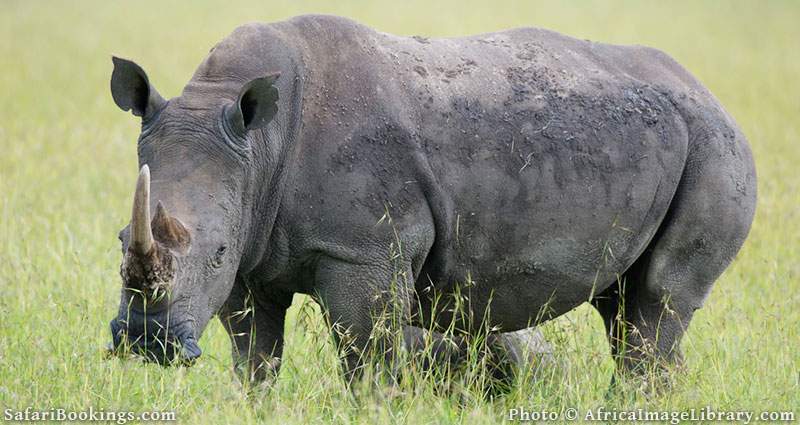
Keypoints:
pixel 191 211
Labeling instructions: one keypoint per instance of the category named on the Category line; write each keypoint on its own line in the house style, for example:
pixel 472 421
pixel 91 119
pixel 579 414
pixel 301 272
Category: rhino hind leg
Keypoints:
pixel 648 310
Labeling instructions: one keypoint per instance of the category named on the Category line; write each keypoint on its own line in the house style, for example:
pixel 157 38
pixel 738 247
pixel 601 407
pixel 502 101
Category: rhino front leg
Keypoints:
pixel 255 325
pixel 365 304
pixel 523 354
pixel 368 307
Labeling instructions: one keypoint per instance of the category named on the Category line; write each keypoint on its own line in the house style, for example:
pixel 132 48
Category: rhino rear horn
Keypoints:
pixel 141 233
pixel 169 231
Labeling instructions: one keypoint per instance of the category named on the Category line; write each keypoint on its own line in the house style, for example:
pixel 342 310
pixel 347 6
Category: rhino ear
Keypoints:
pixel 132 90
pixel 255 106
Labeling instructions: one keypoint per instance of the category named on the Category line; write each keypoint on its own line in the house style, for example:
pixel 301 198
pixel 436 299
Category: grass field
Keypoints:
pixel 68 165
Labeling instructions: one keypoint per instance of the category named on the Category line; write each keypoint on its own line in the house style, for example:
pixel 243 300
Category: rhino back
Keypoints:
pixel 532 162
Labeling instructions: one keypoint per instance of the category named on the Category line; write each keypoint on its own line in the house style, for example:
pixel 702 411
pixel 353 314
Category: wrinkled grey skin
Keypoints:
pixel 528 170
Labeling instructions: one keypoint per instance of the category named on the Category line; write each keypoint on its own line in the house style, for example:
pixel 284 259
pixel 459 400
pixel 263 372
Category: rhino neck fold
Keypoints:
pixel 273 161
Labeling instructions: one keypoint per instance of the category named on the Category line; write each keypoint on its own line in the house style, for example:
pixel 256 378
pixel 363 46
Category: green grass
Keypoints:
pixel 68 165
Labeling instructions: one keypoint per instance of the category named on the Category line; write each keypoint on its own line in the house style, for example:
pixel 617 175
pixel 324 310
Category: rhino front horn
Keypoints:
pixel 141 233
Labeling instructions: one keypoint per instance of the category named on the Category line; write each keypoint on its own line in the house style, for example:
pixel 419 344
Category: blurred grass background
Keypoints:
pixel 68 165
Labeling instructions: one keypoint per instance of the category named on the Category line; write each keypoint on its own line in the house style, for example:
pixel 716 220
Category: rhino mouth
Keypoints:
pixel 154 340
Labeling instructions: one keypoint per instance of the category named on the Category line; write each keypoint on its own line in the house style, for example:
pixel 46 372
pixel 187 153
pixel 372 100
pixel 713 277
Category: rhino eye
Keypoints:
pixel 217 260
